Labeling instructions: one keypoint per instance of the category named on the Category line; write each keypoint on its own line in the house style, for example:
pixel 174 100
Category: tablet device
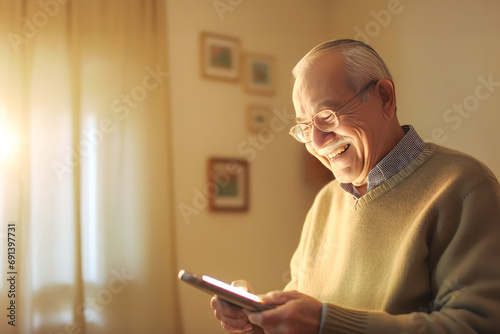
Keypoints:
pixel 224 291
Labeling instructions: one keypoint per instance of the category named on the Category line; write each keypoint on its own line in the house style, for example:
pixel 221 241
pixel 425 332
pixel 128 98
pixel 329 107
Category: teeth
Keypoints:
pixel 339 151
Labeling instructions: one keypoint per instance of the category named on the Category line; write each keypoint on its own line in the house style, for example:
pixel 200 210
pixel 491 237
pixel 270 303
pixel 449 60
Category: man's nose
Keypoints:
pixel 320 138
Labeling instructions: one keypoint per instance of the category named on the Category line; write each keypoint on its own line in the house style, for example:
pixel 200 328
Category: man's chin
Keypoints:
pixel 342 177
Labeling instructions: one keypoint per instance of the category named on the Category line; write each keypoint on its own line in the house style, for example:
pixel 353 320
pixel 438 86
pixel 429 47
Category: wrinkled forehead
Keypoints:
pixel 319 85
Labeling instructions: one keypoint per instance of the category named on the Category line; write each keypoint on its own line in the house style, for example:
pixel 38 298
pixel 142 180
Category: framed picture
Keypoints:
pixel 220 57
pixel 259 73
pixel 228 184
pixel 258 117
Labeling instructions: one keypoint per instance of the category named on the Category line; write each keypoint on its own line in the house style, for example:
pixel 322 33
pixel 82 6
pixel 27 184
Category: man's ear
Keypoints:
pixel 386 92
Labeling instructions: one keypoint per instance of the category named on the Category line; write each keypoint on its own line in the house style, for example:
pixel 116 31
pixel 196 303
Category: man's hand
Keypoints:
pixel 232 318
pixel 295 313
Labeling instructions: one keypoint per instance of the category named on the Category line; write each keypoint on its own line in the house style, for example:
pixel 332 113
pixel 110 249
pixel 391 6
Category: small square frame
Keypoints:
pixel 259 73
pixel 220 57
pixel 228 184
pixel 258 117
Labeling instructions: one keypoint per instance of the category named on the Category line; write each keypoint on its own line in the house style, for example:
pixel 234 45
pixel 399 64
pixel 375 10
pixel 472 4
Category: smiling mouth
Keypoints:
pixel 338 152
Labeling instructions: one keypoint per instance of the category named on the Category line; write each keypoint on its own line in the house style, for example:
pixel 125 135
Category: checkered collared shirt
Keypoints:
pixel 401 156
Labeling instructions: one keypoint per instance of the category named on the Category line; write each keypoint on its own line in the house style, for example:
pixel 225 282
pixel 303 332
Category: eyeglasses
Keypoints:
pixel 326 120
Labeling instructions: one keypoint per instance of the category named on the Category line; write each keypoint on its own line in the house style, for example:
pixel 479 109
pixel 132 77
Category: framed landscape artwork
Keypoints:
pixel 258 117
pixel 220 57
pixel 259 73
pixel 228 184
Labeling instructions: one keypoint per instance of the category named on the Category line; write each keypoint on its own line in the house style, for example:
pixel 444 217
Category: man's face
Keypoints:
pixel 354 147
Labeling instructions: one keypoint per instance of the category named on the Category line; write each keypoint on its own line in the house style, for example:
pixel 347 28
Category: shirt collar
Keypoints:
pixel 401 156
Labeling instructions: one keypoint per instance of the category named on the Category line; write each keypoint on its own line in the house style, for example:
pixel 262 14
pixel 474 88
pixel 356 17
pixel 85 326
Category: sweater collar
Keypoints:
pixel 400 156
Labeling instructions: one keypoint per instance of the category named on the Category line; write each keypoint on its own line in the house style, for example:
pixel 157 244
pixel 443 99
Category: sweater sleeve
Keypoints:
pixel 295 266
pixel 296 263
pixel 465 276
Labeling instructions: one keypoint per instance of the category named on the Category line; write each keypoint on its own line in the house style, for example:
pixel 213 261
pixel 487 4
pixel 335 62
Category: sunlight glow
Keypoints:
pixel 9 142
pixel 90 235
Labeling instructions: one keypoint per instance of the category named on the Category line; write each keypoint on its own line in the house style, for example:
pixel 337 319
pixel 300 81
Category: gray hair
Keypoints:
pixel 364 65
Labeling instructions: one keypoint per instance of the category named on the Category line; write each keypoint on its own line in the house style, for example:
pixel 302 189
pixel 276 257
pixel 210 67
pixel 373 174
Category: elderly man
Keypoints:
pixel 405 240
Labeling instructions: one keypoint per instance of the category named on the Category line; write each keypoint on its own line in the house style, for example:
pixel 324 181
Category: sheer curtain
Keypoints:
pixel 84 168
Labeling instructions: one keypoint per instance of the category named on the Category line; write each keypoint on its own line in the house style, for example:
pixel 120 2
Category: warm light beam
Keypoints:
pixel 8 143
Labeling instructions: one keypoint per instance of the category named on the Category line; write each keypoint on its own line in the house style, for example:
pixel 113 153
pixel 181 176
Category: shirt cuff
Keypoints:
pixel 323 316
pixel 339 320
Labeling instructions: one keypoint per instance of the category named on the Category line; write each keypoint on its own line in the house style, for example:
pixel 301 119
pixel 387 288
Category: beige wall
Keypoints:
pixel 437 51
pixel 440 53
pixel 209 120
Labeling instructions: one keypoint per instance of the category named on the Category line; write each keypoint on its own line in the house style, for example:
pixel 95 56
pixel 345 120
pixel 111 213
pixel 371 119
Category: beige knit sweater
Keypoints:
pixel 418 254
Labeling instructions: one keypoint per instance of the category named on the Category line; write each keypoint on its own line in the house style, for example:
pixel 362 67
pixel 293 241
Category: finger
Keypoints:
pixel 300 312
pixel 277 298
pixel 231 316
pixel 255 318
pixel 270 320
pixel 225 308
pixel 242 284
pixel 242 329
pixel 280 297
pixel 233 323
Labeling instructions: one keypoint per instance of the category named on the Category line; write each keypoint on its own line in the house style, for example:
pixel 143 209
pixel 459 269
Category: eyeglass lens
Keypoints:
pixel 325 120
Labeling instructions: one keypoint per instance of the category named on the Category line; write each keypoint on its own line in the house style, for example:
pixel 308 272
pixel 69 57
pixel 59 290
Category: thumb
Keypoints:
pixel 255 318
pixel 242 284
pixel 279 297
